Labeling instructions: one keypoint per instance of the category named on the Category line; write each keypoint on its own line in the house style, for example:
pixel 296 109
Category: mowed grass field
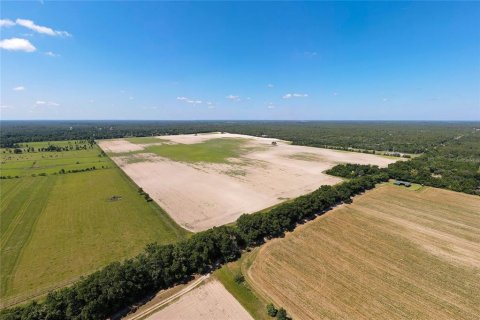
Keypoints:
pixel 58 227
pixel 392 254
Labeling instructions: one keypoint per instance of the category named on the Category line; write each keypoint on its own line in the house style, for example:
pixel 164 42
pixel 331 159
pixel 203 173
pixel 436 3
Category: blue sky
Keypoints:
pixel 245 60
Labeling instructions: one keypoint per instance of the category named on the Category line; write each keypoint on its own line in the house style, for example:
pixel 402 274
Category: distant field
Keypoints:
pixel 394 253
pixel 144 140
pixel 56 228
pixel 208 180
pixel 28 163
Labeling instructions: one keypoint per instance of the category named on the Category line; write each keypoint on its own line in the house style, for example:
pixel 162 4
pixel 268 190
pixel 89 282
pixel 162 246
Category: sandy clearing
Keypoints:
pixel 208 301
pixel 118 146
pixel 202 195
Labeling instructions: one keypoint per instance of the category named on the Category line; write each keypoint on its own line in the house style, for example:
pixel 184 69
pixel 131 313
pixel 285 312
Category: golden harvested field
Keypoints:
pixel 392 254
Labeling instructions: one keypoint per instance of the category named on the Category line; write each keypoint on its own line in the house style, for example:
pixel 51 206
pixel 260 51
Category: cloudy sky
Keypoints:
pixel 218 60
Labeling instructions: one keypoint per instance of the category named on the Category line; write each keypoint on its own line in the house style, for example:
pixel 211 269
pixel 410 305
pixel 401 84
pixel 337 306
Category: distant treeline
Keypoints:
pixel 450 150
pixel 410 137
pixel 121 284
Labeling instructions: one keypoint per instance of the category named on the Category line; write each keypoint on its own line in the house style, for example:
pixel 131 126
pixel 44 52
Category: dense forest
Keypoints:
pixel 410 137
pixel 121 284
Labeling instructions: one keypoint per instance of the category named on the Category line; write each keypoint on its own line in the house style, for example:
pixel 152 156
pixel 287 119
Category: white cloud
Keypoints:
pixel 295 95
pixel 310 54
pixel 46 103
pixel 211 107
pixel 188 100
pixel 5 107
pixel 270 85
pixel 41 29
pixel 17 44
pixel 6 23
pixel 52 54
pixel 233 97
pixel 19 88
pixel 270 106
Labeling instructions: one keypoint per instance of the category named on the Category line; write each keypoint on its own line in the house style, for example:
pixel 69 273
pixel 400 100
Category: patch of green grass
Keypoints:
pixel 59 227
pixel 242 291
pixel 212 151
pixel 145 140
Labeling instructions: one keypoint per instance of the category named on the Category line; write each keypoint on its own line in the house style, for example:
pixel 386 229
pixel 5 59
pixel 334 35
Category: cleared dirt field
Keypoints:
pixel 392 254
pixel 208 301
pixel 209 180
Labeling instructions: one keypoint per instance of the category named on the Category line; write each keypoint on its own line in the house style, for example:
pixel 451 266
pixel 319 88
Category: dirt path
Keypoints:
pixel 143 313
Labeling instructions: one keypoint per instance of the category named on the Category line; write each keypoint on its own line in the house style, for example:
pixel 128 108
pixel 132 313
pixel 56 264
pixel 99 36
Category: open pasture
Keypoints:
pixel 394 253
pixel 208 180
pixel 81 156
pixel 58 227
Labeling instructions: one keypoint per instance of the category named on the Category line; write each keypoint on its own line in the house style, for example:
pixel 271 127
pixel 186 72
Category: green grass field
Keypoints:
pixel 213 151
pixel 58 227
pixel 28 163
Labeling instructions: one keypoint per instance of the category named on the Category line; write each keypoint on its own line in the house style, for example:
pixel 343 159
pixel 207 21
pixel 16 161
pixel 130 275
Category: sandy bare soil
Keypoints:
pixel 208 301
pixel 202 195
pixel 392 254
pixel 119 145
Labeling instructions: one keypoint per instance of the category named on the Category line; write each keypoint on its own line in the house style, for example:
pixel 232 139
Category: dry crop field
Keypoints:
pixel 392 254
pixel 211 179
pixel 208 301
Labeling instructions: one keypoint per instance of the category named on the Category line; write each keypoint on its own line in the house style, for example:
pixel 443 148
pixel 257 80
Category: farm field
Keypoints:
pixel 35 163
pixel 394 253
pixel 208 301
pixel 208 180
pixel 58 227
